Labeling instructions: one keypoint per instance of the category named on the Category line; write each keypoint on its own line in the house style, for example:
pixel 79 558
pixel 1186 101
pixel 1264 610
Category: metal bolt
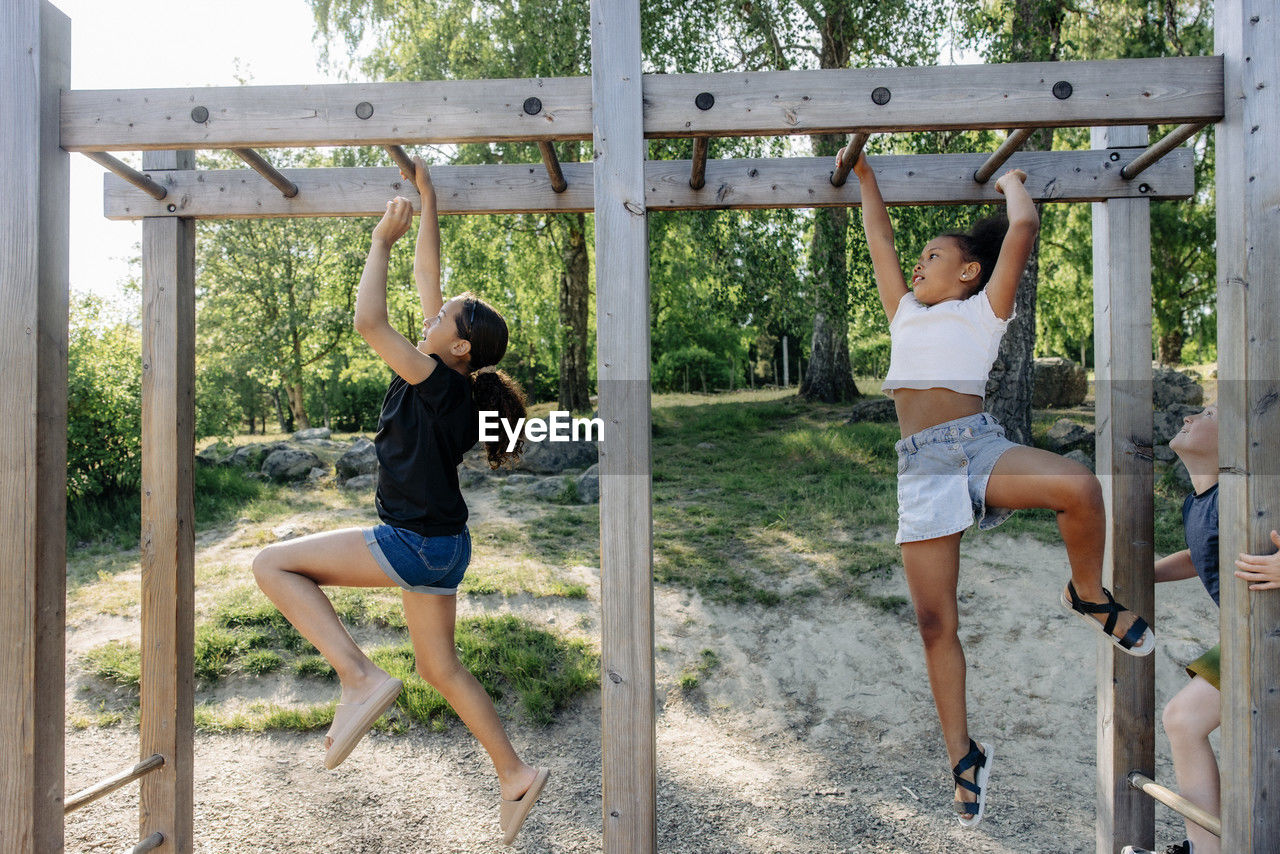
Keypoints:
pixel 200 115
pixel 1062 90
pixel 173 208
pixel 1115 155
pixel 1144 188
pixel 881 95
pixel 533 106
pixel 364 110
pixel 704 101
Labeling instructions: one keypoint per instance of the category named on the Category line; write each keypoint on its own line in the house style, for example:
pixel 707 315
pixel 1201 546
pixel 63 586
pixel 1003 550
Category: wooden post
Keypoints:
pixel 35 52
pixel 1248 184
pixel 168 542
pixel 1122 342
pixel 626 509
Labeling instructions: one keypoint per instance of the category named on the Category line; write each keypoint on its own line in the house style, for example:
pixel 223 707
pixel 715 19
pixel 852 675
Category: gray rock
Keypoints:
pixel 589 485
pixel 312 433
pixel 468 477
pixel 290 464
pixel 1066 435
pixel 317 474
pixel 519 479
pixel 360 459
pixel 555 457
pixel 216 453
pixel 1058 382
pixel 251 456
pixel 1080 457
pixel 548 488
pixel 879 409
pixel 1168 421
pixel 361 481
pixel 1171 387
pixel 706 446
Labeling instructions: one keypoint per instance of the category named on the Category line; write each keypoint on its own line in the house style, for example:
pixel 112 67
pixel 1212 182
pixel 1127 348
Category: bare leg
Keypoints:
pixel 291 573
pixel 1028 477
pixel 933 568
pixel 431 625
pixel 1189 717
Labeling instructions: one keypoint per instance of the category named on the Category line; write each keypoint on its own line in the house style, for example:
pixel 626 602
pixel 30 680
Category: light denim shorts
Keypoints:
pixel 418 563
pixel 942 478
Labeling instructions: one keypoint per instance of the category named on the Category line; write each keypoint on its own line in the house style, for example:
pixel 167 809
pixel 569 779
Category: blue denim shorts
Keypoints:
pixel 418 563
pixel 942 478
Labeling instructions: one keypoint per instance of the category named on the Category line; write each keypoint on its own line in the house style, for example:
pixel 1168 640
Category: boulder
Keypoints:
pixel 1170 387
pixel 554 457
pixel 361 481
pixel 879 409
pixel 251 456
pixel 214 454
pixel 360 459
pixel 1058 382
pixel 290 464
pixel 1066 435
pixel 468 477
pixel 1081 457
pixel 589 485
pixel 548 488
pixel 312 433
pixel 519 479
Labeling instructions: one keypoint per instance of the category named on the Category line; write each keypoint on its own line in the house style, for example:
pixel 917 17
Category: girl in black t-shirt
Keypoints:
pixel 429 420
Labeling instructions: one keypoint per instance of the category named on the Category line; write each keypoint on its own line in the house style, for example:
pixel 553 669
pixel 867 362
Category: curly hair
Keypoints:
pixel 981 243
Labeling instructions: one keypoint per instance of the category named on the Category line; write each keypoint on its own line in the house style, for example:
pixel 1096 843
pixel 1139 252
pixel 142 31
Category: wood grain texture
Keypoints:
pixel 628 734
pixel 1165 90
pixel 168 543
pixel 438 111
pixel 1104 92
pixel 1248 245
pixel 35 50
pixel 1125 466
pixel 1055 176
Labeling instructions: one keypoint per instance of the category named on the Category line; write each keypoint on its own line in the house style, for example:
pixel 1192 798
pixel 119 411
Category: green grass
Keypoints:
pixel 117 662
pixel 692 675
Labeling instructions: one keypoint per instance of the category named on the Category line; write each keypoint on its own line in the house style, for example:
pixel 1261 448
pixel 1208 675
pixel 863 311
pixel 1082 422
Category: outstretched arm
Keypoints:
pixel 1175 567
pixel 1024 223
pixel 879 229
pixel 1262 570
pixel 426 254
pixel 371 299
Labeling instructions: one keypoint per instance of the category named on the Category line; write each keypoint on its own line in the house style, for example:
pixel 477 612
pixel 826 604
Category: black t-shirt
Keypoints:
pixel 1200 522
pixel 422 434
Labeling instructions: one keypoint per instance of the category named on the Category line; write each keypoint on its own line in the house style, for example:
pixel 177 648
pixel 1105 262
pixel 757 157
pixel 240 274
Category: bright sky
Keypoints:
pixel 137 44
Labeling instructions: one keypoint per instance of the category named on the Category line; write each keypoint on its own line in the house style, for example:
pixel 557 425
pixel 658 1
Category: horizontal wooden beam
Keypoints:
pixel 914 179
pixel 872 100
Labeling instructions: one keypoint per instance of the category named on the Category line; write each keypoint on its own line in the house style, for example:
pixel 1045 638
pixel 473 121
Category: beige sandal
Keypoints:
pixel 352 720
pixel 513 813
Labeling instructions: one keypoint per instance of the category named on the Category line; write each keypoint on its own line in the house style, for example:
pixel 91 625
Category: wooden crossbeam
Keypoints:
pixel 923 179
pixel 873 100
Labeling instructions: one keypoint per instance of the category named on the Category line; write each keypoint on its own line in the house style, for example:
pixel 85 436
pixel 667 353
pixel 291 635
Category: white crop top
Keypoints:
pixel 949 345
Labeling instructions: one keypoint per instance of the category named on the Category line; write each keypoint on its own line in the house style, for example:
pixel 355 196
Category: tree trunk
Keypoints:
pixel 1009 384
pixel 296 408
pixel 286 426
pixel 1170 345
pixel 574 386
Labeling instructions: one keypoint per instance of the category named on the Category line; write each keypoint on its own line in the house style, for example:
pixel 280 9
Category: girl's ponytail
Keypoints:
pixel 982 243
pixel 494 391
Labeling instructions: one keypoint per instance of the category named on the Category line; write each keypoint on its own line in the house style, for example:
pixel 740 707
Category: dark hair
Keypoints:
pixel 491 389
pixel 982 243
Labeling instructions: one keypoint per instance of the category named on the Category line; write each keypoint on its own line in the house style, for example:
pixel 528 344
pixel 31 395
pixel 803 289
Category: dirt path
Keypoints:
pixel 815 732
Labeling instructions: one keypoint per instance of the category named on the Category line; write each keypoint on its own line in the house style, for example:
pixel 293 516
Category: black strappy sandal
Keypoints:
pixel 1139 631
pixel 969 813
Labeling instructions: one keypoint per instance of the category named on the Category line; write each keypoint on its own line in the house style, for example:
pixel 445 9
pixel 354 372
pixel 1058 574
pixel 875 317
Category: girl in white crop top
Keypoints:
pixel 954 461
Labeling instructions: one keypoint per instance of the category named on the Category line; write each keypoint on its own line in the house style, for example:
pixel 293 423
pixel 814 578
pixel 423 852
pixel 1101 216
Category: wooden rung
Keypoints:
pixel 92 793
pixel 151 843
pixel 138 179
pixel 844 165
pixel 1176 802
pixel 698 174
pixel 549 159
pixel 1166 144
pixel 402 159
pixel 1011 143
pixel 266 170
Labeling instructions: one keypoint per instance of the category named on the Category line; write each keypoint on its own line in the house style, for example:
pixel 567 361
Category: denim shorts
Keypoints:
pixel 418 563
pixel 942 478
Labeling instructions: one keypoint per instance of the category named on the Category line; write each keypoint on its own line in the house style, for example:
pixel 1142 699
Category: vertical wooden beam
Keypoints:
pixel 1248 185
pixel 168 542
pixel 626 510
pixel 1122 341
pixel 35 53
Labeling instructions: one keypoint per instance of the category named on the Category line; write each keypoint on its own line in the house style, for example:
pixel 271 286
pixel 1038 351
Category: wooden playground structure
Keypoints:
pixel 618 107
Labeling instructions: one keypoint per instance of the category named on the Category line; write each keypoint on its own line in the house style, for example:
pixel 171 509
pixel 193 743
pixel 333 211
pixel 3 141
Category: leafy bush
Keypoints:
pixel 869 356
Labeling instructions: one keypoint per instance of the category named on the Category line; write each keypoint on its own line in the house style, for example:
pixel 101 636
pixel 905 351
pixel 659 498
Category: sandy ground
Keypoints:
pixel 814 733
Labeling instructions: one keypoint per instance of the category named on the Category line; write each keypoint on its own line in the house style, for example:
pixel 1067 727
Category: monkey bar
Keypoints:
pixel 1176 802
